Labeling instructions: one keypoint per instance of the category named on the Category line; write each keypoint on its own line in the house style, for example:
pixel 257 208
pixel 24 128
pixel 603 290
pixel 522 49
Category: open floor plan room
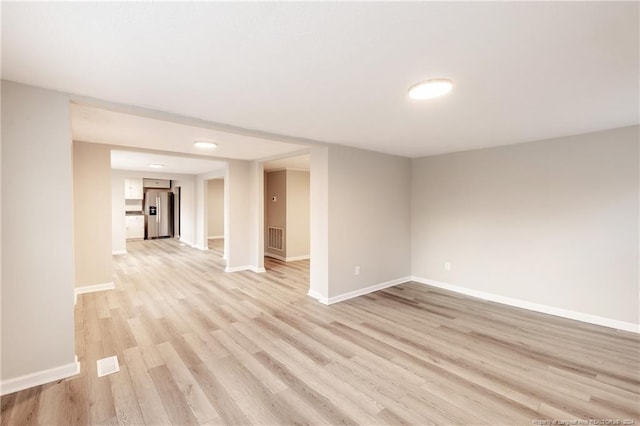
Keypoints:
pixel 320 213
pixel 197 345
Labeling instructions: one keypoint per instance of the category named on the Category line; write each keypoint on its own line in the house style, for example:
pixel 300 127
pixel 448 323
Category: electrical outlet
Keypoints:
pixel 447 266
pixel 357 271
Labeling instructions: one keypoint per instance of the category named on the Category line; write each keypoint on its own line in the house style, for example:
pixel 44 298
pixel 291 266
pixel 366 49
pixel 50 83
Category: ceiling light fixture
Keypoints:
pixel 204 144
pixel 155 166
pixel 430 89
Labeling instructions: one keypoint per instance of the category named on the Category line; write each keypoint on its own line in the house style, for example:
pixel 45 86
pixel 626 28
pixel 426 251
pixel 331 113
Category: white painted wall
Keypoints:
pixel 118 225
pixel 215 208
pixel 243 218
pixel 92 214
pixel 200 229
pixel 319 220
pixel 37 239
pixel 552 222
pixel 201 207
pixel 369 219
pixel 297 243
pixel 256 194
pixel 237 220
pixel 187 184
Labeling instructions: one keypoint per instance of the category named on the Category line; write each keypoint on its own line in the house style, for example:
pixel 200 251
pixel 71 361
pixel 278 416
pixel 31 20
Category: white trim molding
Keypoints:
pixel 118 252
pixel 287 259
pixel 39 378
pixel 361 292
pixel 546 309
pixel 94 288
pixel 215 237
pixel 189 243
pixel 355 293
pixel 245 268
pixel 275 256
pixel 320 298
pixel 91 289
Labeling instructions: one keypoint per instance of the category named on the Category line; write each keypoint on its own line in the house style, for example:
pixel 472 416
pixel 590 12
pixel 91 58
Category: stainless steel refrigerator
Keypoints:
pixel 158 211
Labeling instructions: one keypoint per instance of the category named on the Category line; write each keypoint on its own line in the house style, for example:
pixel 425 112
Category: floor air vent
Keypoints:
pixel 108 366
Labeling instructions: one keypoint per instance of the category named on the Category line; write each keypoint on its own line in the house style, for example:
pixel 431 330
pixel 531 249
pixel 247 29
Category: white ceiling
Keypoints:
pixel 91 124
pixel 137 160
pixel 338 72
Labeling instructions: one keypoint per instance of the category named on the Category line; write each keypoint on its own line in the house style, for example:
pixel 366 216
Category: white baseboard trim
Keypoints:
pixel 245 268
pixel 215 237
pixel 202 248
pixel 90 289
pixel 294 258
pixel 360 292
pixel 275 256
pixel 320 298
pixel 287 259
pixel 39 378
pixel 118 252
pixel 355 293
pixel 546 309
pixel 95 287
pixel 189 243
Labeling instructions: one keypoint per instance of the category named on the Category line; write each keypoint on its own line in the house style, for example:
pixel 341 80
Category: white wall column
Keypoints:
pixel 257 216
pixel 319 218
pixel 37 238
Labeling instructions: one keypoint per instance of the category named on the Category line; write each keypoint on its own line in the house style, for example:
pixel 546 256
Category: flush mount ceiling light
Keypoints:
pixel 430 89
pixel 155 166
pixel 204 144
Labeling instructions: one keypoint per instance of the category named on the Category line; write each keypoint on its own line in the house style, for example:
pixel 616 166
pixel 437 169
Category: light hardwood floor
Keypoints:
pixel 198 346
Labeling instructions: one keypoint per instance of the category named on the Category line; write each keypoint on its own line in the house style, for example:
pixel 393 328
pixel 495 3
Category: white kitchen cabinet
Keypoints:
pixel 157 183
pixel 133 189
pixel 134 226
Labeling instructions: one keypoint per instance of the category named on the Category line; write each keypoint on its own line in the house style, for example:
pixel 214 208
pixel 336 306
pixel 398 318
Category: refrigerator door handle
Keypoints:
pixel 159 209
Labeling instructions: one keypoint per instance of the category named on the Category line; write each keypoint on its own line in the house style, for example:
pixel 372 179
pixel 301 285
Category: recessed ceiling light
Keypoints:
pixel 204 144
pixel 155 166
pixel 430 89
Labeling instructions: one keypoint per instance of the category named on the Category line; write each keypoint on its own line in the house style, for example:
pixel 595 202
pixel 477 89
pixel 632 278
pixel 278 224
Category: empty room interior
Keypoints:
pixel 275 213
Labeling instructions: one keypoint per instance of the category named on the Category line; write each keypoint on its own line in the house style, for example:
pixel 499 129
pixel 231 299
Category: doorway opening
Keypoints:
pixel 215 215
pixel 287 229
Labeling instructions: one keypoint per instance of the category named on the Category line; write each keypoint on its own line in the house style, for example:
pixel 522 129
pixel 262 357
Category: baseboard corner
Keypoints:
pixel 320 298
pixel 366 290
pixel 95 287
pixel 40 378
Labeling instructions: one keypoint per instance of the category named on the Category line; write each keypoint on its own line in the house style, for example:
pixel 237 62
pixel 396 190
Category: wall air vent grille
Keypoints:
pixel 275 238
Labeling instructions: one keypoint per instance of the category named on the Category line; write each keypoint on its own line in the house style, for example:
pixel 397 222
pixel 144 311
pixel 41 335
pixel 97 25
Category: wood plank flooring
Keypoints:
pixel 199 346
